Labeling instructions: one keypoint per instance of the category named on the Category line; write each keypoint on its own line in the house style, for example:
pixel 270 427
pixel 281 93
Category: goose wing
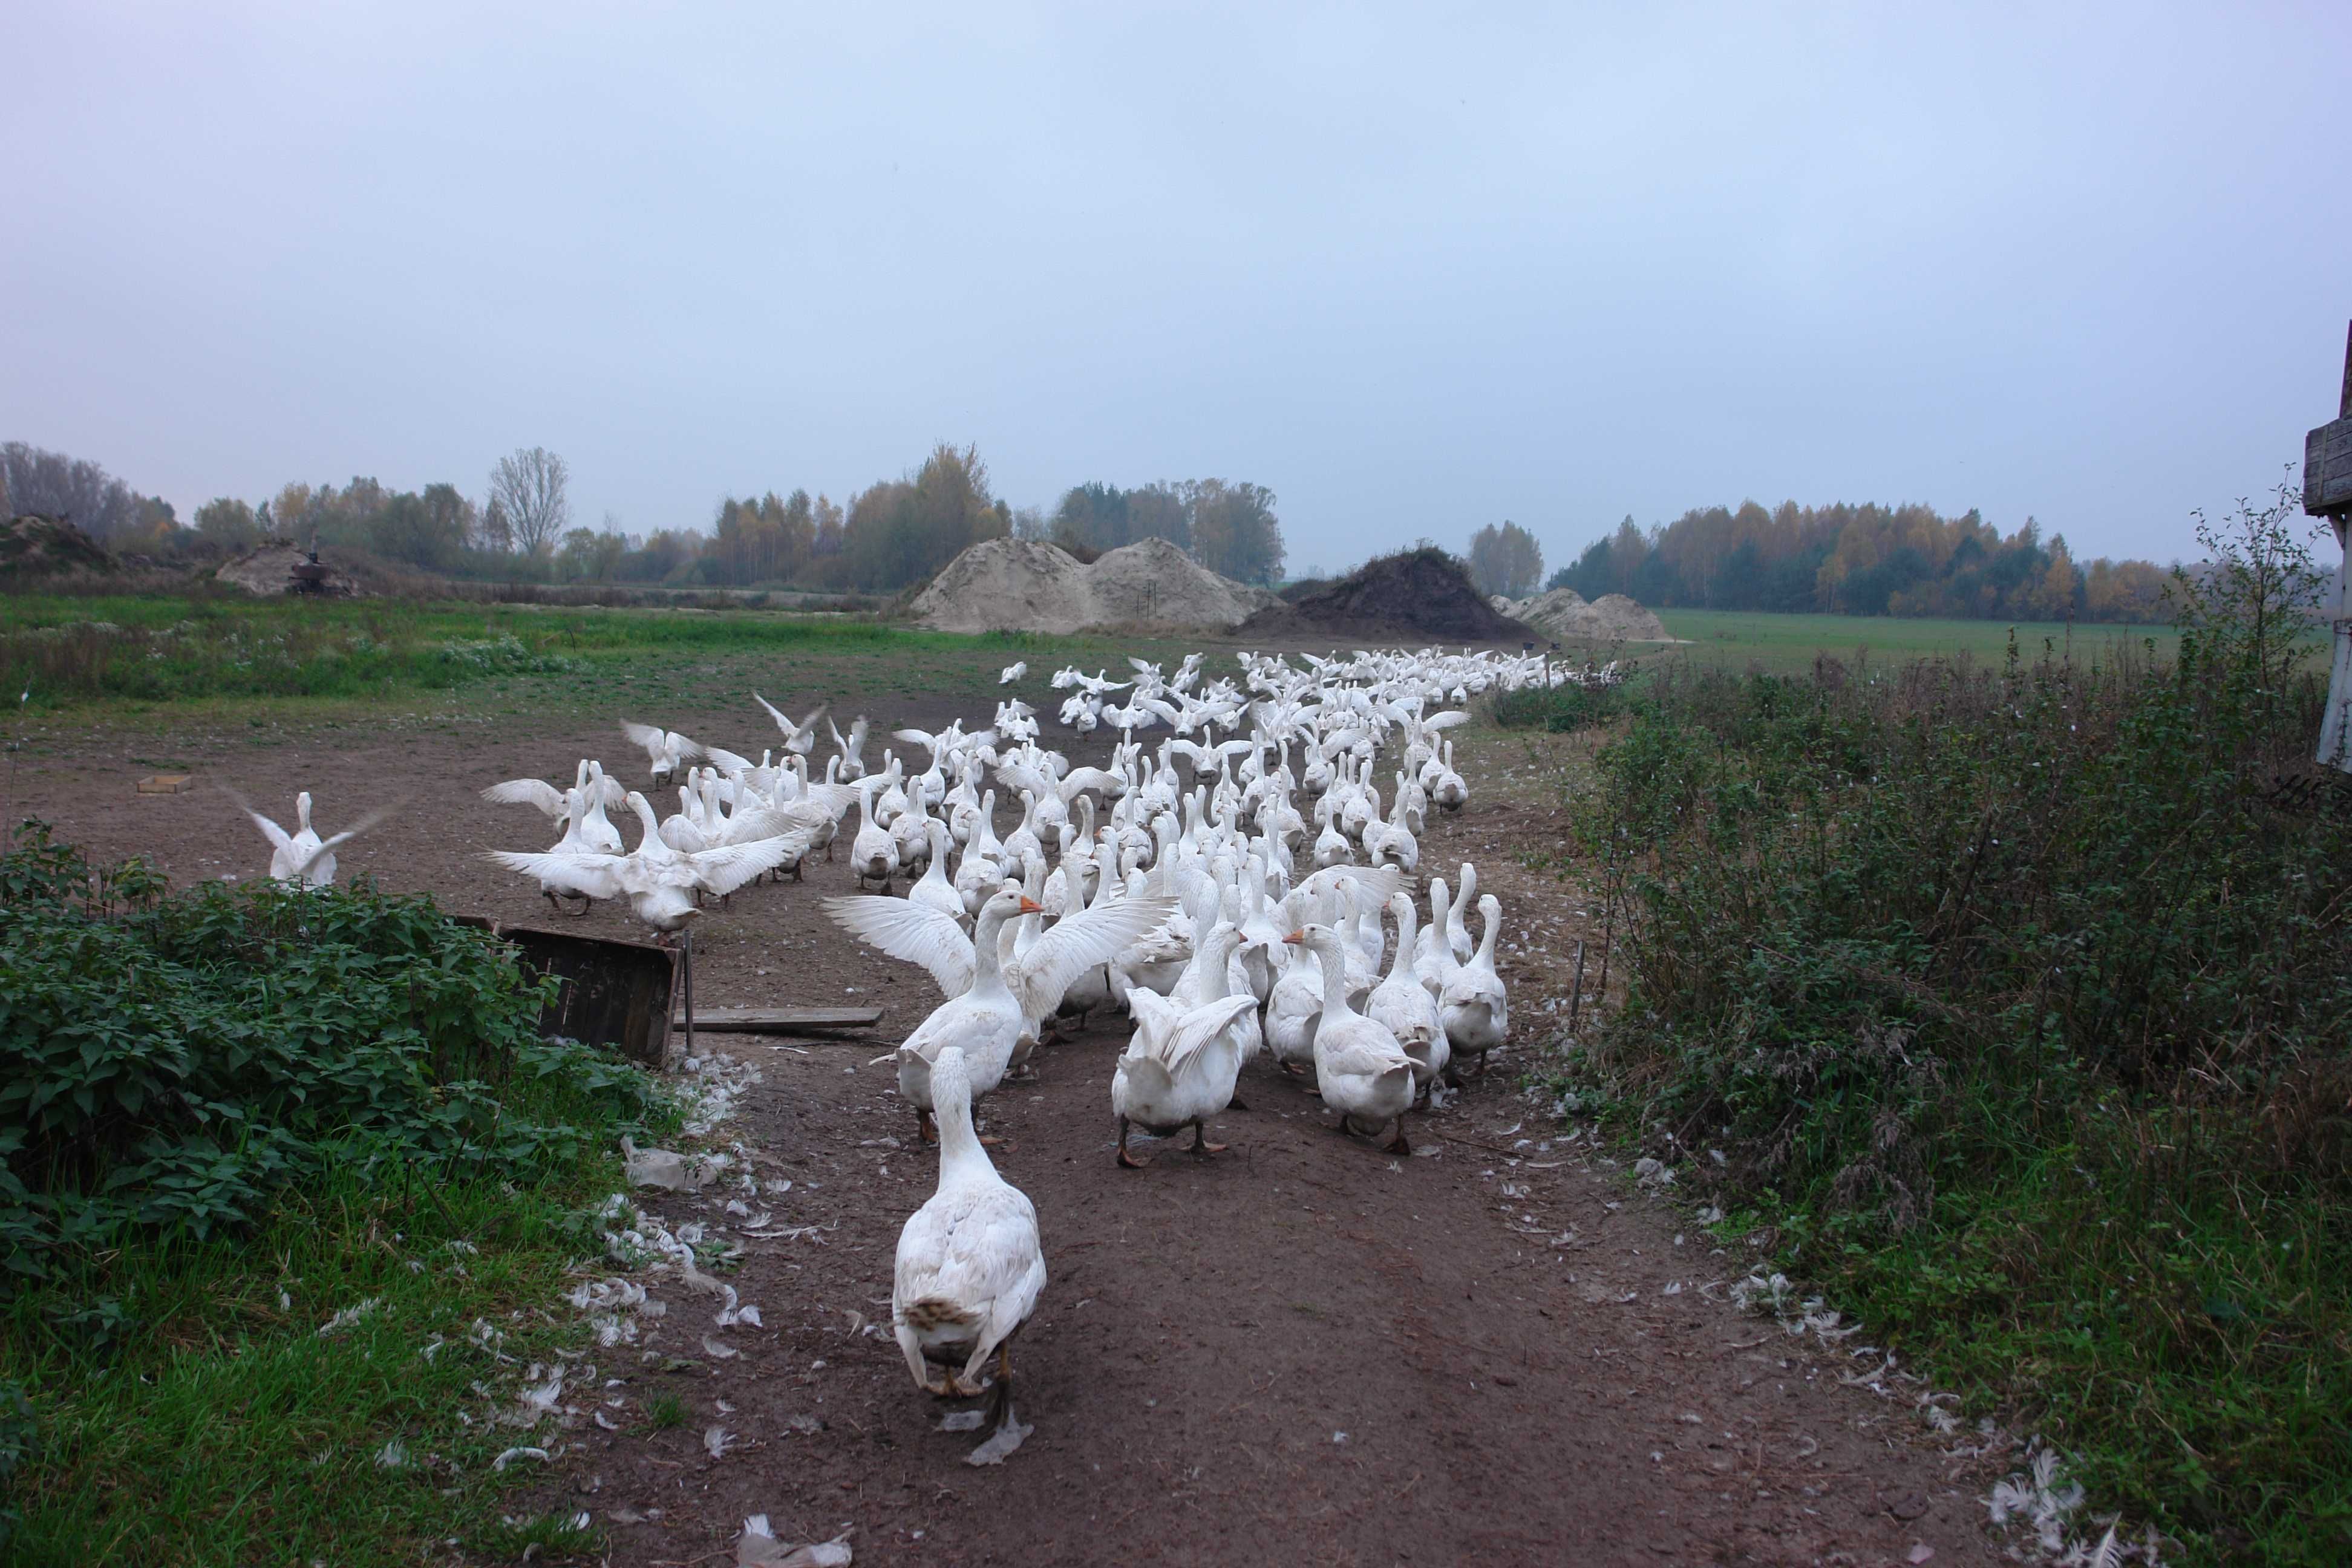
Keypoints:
pixel 1078 943
pixel 912 933
pixel 723 869
pixel 327 846
pixel 526 792
pixel 1198 1027
pixel 581 872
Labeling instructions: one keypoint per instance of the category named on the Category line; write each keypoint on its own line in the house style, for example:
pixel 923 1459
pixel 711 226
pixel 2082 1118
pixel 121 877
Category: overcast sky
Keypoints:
pixel 1416 268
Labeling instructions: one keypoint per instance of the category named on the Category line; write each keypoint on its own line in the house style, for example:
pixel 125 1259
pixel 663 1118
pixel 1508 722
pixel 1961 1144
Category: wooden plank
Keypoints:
pixel 2327 456
pixel 167 784
pixel 780 1020
pixel 2328 468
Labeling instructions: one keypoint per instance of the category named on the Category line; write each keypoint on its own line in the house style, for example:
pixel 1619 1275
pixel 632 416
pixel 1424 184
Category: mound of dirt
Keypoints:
pixel 269 569
pixel 1563 614
pixel 1151 583
pixel 1415 596
pixel 34 545
pixel 1024 584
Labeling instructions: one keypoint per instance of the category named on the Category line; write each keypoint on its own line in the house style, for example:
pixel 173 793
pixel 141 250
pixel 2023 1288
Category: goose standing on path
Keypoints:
pixel 970 1264
pixel 1360 1070
pixel 1178 1071
pixel 1475 1006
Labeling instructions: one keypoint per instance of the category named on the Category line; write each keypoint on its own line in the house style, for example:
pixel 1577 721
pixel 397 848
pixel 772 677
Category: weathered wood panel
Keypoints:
pixel 780 1020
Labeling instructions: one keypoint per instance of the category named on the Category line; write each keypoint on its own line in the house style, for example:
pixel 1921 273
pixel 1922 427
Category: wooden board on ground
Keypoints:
pixel 167 784
pixel 780 1020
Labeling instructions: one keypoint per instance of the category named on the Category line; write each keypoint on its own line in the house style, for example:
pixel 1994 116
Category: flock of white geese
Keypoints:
pixel 1237 879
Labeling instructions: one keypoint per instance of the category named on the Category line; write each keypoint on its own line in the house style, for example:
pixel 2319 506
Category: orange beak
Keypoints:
pixel 1031 907
pixel 1295 938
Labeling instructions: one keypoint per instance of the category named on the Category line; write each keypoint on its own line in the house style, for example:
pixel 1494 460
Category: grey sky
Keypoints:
pixel 1416 270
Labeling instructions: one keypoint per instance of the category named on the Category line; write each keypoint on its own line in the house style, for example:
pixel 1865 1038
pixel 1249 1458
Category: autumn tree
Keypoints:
pixel 230 524
pixel 530 487
pixel 1506 560
pixel 1234 531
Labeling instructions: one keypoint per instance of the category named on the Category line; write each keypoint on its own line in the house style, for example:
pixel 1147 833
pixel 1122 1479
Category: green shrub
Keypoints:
pixel 1557 709
pixel 2024 1018
pixel 166 1062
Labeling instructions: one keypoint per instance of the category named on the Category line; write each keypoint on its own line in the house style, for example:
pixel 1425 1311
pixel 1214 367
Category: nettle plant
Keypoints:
pixel 169 1059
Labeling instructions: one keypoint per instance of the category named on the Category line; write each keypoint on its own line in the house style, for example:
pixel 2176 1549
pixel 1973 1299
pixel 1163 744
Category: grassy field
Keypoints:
pixel 1782 644
pixel 224 659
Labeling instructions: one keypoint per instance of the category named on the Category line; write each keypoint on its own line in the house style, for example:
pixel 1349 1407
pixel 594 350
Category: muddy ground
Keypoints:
pixel 1303 1351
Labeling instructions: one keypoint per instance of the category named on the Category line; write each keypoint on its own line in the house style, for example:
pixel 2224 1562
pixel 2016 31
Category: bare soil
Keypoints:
pixel 1415 596
pixel 1305 1351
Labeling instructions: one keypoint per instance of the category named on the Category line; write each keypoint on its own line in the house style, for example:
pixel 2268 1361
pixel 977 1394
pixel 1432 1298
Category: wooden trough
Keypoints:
pixel 626 995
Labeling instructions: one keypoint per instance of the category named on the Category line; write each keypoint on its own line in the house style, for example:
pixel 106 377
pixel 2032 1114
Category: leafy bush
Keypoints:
pixel 1558 708
pixel 2025 1019
pixel 166 1062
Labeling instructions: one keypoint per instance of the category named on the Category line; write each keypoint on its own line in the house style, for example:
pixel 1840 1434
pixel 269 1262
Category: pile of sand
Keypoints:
pixel 1024 584
pixel 269 569
pixel 37 546
pixel 1563 614
pixel 1417 595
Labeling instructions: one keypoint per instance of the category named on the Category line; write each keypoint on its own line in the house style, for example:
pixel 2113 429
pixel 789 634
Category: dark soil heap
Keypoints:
pixel 34 545
pixel 1420 595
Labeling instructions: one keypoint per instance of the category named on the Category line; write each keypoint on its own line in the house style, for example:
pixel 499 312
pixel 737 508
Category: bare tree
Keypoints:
pixel 528 488
pixel 55 485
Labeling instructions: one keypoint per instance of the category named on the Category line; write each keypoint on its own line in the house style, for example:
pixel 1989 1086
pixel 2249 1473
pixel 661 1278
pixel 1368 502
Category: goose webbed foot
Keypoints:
pixel 1397 1145
pixel 1200 1145
pixel 924 1129
pixel 1131 1161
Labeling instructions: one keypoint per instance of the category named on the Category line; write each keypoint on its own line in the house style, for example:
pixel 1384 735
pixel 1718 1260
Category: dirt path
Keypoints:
pixel 1304 1351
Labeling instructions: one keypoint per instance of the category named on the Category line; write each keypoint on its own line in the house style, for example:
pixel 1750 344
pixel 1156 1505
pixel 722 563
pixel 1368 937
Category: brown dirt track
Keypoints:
pixel 1304 1351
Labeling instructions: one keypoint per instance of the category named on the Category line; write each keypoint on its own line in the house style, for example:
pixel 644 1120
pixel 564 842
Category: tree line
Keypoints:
pixel 891 535
pixel 1231 529
pixel 1862 561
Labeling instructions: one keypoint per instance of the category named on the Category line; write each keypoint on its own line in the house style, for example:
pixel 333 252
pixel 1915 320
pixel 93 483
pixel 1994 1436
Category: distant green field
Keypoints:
pixel 1780 642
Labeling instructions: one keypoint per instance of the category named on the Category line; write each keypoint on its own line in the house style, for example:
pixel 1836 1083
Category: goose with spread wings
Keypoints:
pixel 301 856
pixel 993 1000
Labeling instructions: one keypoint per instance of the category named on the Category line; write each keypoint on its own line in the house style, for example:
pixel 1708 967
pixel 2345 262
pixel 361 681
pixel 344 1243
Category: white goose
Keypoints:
pixel 993 1004
pixel 1475 1006
pixel 1179 1069
pixel 873 854
pixel 301 856
pixel 969 1264
pixel 800 739
pixel 665 750
pixel 934 891
pixel 852 761
pixel 1360 1070
pixel 1406 1007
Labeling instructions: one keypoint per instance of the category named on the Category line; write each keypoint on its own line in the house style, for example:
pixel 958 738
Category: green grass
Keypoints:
pixel 226 1429
pixel 231 661
pixel 1783 644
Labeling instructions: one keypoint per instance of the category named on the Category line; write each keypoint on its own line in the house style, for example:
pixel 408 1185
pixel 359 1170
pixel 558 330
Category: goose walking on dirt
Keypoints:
pixel 970 1263
pixel 1475 1006
pixel 1179 1069
pixel 1359 1069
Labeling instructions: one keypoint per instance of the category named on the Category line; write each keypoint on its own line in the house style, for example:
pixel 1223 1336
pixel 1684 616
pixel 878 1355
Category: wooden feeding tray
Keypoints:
pixel 167 784
pixel 614 993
